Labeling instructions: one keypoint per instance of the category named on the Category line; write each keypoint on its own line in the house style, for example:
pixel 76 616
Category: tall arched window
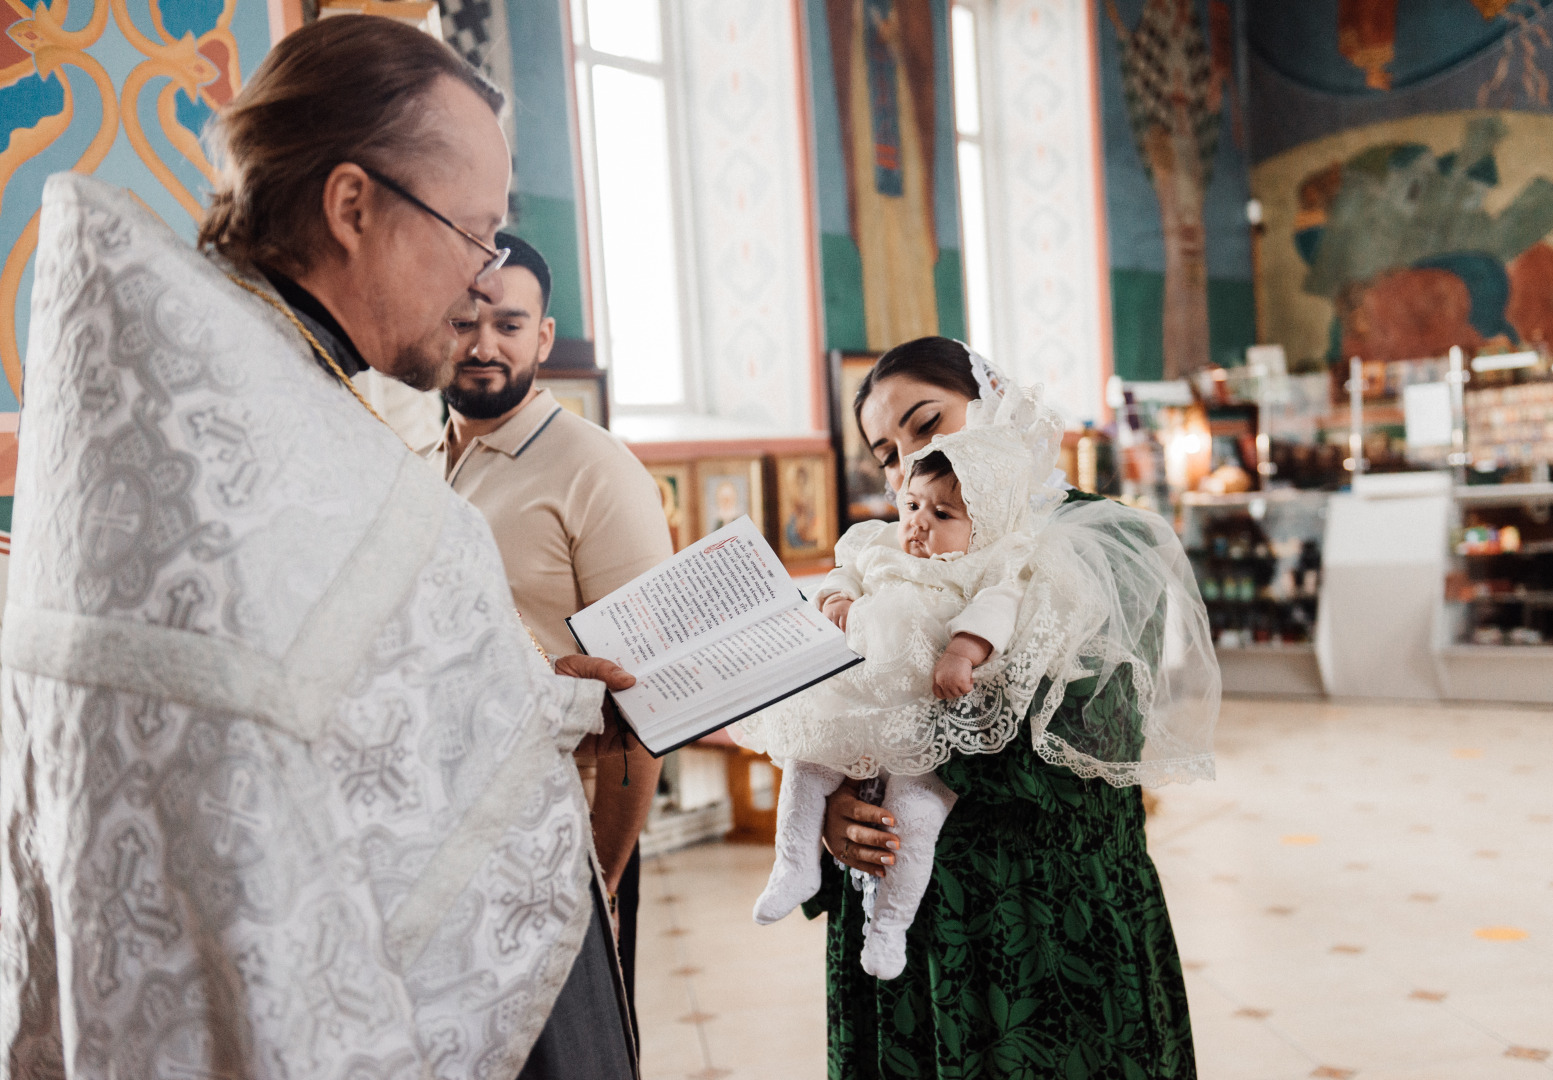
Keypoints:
pixel 970 136
pixel 625 106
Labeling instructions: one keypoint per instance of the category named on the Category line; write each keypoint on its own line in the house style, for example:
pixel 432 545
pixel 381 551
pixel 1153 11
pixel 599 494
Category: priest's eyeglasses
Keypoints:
pixel 498 256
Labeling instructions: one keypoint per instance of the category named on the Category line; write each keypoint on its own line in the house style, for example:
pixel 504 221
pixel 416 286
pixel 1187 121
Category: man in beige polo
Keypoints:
pixel 575 516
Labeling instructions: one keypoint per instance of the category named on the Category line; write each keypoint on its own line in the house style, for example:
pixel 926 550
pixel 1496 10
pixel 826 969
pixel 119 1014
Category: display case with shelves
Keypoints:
pixel 1497 633
pixel 1257 559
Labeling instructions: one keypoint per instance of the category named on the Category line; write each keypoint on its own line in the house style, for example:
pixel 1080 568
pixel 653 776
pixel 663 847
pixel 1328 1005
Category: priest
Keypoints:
pixel 285 788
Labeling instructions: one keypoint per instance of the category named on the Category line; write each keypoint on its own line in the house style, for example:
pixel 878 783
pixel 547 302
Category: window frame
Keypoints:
pixel 986 142
pixel 669 72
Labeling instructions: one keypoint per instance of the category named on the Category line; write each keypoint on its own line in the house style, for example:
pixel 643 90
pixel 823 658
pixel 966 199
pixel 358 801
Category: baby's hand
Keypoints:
pixel 952 676
pixel 835 608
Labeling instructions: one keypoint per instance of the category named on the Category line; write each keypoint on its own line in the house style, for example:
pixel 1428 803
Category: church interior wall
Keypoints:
pixel 1424 125
pixel 1046 213
pixel 122 92
pixel 1194 160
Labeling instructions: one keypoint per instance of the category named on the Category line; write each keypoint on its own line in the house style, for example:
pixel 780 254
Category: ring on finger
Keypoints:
pixel 846 849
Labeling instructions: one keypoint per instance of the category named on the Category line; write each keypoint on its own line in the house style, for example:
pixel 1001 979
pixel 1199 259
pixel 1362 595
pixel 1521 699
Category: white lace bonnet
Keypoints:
pixel 1002 457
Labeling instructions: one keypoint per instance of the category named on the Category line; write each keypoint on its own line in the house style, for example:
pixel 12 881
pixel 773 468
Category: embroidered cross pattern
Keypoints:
pixel 133 914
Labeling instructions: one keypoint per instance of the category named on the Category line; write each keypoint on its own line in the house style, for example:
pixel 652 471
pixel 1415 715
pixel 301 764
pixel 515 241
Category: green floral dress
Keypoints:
pixel 1042 948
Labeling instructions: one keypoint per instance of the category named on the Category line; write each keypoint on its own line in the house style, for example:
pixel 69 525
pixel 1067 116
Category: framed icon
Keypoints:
pixel 676 487
pixel 805 506
pixel 861 491
pixel 727 489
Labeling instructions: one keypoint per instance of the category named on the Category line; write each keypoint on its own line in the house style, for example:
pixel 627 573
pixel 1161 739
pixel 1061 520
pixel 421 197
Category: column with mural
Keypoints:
pixel 522 46
pixel 1176 186
pixel 119 89
pixel 888 209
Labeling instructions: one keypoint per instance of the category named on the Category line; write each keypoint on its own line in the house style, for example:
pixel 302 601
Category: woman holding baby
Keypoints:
pixel 1040 945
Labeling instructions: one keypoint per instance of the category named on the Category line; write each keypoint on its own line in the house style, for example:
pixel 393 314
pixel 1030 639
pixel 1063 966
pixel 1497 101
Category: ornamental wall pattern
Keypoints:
pixel 744 121
pixel 1047 260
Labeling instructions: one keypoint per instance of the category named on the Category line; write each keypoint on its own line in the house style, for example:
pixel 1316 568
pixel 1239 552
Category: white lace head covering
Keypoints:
pixel 989 380
pixel 1137 653
pixel 1002 456
pixel 992 385
pixel 1111 669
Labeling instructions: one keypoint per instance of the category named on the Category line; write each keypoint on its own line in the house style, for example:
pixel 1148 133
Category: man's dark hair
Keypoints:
pixel 933 466
pixel 526 255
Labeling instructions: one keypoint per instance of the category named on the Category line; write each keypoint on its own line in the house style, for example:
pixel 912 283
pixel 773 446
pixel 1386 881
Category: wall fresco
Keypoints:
pixel 1176 185
pixel 885 161
pixel 1402 155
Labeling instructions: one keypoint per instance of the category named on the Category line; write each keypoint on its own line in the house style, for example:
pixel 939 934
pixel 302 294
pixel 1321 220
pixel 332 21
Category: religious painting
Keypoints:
pixel 581 394
pixel 805 506
pixel 1175 182
pixel 862 492
pixel 1401 157
pixel 885 161
pixel 1399 240
pixel 677 491
pixel 729 488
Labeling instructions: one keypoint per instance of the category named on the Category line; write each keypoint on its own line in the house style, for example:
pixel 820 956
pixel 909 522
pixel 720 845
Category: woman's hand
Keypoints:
pixel 607 672
pixel 851 834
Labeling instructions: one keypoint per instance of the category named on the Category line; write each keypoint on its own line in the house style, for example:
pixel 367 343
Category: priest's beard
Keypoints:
pixel 489 404
pixel 426 364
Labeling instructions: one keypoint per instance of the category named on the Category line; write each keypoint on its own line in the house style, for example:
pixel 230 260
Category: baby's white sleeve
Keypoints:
pixel 844 580
pixel 991 615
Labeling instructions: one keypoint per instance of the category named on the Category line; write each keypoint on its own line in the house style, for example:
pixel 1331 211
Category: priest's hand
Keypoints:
pixel 855 831
pixel 607 672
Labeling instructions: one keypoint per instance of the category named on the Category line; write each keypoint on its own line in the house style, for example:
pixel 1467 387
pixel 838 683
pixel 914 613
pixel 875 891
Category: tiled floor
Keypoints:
pixel 1366 891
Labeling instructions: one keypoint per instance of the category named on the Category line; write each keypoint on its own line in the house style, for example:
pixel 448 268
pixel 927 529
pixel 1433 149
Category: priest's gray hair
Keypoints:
pixel 348 88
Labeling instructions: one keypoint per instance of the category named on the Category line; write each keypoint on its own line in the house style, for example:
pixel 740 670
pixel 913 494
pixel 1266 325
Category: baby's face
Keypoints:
pixel 933 517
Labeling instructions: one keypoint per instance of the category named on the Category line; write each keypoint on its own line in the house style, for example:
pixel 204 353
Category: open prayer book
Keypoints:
pixel 713 634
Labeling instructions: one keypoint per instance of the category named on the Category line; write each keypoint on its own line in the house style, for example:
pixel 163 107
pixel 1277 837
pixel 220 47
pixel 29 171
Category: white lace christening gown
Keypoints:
pixel 880 717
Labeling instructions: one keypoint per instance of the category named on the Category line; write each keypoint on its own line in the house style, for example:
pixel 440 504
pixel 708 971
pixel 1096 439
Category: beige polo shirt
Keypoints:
pixel 574 513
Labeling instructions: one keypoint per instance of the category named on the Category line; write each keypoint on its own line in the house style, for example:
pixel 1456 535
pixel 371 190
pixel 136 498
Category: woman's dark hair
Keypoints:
pixel 938 361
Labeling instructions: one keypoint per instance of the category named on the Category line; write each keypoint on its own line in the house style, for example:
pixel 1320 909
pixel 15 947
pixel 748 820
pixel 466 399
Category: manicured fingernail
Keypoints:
pixel 893 845
pixel 889 860
pixel 890 822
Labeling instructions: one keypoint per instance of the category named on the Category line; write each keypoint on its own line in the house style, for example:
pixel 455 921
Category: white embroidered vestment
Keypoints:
pixel 285 790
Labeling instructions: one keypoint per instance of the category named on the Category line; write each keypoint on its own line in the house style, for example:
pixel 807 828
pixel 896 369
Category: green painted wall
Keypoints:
pixel 551 226
pixel 841 273
pixel 544 176
pixel 948 283
pixel 1138 311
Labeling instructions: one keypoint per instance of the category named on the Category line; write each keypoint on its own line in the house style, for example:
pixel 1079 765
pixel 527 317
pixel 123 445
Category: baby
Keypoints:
pixel 935 605
pixel 934 521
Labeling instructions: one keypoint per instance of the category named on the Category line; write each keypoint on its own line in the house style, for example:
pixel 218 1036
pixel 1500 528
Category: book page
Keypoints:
pixel 729 578
pixel 726 670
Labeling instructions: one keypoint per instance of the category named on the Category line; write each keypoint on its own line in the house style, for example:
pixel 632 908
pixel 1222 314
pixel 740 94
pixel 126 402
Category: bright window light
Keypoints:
pixel 967 99
pixel 630 28
pixel 973 223
pixel 973 183
pixel 636 211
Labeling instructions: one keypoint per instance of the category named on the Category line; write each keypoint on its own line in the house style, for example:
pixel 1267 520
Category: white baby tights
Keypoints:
pixel 919 805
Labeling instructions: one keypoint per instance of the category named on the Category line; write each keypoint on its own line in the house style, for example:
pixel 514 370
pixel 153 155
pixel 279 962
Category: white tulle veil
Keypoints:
pixel 1109 618
pixel 1142 661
